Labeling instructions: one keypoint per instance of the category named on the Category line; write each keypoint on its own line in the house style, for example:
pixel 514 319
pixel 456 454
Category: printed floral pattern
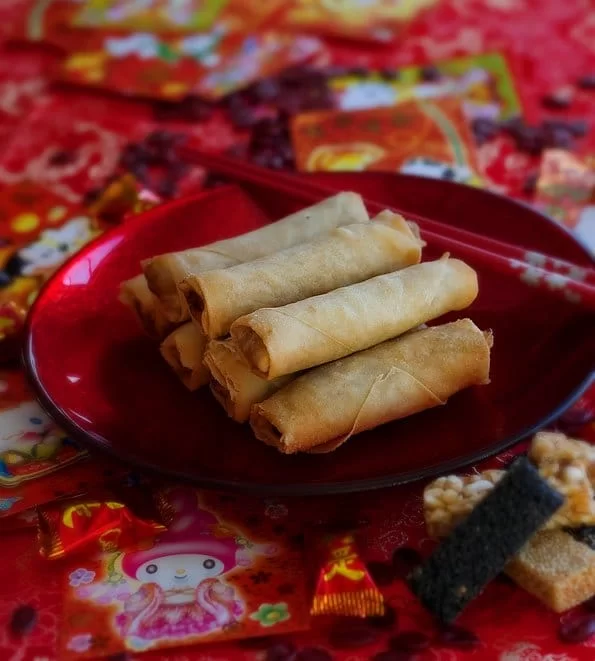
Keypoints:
pixel 80 643
pixel 562 39
pixel 270 614
pixel 81 577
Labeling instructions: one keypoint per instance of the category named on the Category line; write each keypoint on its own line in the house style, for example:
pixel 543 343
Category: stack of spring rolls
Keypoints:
pixel 313 328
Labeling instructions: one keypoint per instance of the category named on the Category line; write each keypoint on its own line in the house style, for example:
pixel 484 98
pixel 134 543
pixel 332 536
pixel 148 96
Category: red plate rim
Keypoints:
pixel 96 442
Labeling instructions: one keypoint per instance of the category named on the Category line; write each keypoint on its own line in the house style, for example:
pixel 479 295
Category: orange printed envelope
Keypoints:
pixel 219 573
pixel 426 138
pixel 367 20
pixel 151 15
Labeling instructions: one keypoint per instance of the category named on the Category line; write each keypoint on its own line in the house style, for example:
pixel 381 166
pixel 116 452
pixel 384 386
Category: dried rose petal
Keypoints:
pixel 281 651
pixel 243 118
pixel 313 654
pixel 576 417
pixel 335 71
pixel 559 99
pixel 578 127
pixel 358 71
pixel 405 559
pixel 350 633
pixel 530 140
pixel 530 184
pixel 484 129
pixel 23 619
pixel 213 180
pixel 409 641
pixel 504 579
pixel 121 656
pixel 266 90
pixel 430 73
pixel 457 637
pixel 587 82
pixel 559 137
pixel 577 630
pixel 62 157
pixel 198 110
pixel 260 642
pixel 387 621
pixel 382 573
pixel 277 162
pixel 393 655
pixel 389 74
pixel 513 126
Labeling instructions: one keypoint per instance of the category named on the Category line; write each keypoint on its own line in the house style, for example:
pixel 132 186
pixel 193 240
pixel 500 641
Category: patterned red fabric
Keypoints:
pixel 549 44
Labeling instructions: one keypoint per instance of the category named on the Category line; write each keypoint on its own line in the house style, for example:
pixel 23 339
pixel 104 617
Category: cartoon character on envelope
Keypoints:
pixel 182 591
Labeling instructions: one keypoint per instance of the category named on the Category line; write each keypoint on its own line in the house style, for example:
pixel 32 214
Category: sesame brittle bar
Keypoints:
pixel 567 464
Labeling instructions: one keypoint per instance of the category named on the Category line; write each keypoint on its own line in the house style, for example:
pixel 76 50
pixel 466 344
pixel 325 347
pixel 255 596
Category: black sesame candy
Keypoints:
pixel 478 548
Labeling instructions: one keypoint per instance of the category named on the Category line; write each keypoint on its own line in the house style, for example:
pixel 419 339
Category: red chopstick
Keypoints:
pixel 559 277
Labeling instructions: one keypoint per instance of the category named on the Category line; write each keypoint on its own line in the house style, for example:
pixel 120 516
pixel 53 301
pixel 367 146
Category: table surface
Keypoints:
pixel 550 44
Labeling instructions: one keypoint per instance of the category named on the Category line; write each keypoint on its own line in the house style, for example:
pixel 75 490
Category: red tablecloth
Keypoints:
pixel 550 45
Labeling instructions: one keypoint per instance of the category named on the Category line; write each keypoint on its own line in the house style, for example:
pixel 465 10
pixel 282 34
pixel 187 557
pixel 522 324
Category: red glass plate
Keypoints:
pixel 105 383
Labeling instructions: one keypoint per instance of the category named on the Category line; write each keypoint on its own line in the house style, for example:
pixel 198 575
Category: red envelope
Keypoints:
pixel 425 138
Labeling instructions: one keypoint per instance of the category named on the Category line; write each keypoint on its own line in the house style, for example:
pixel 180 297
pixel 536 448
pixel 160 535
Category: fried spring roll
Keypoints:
pixel 233 384
pixel 317 330
pixel 136 294
pixel 322 408
pixel 164 272
pixel 342 257
pixel 184 351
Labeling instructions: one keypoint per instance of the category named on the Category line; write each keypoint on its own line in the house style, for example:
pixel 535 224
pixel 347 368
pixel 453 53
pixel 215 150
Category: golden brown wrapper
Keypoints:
pixel 341 257
pixel 234 386
pixel 184 351
pixel 317 330
pixel 136 294
pixel 321 409
pixel 164 272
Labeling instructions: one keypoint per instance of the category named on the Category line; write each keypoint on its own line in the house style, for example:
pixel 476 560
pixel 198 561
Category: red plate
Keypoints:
pixel 105 383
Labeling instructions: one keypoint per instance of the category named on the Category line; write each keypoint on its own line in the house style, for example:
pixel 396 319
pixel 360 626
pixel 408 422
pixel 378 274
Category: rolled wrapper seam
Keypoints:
pixel 165 272
pixel 387 382
pixel 234 386
pixel 343 256
pixel 136 294
pixel 320 329
pixel 184 351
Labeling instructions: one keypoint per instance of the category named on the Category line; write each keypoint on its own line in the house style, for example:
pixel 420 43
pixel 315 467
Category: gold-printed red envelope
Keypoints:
pixel 425 138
